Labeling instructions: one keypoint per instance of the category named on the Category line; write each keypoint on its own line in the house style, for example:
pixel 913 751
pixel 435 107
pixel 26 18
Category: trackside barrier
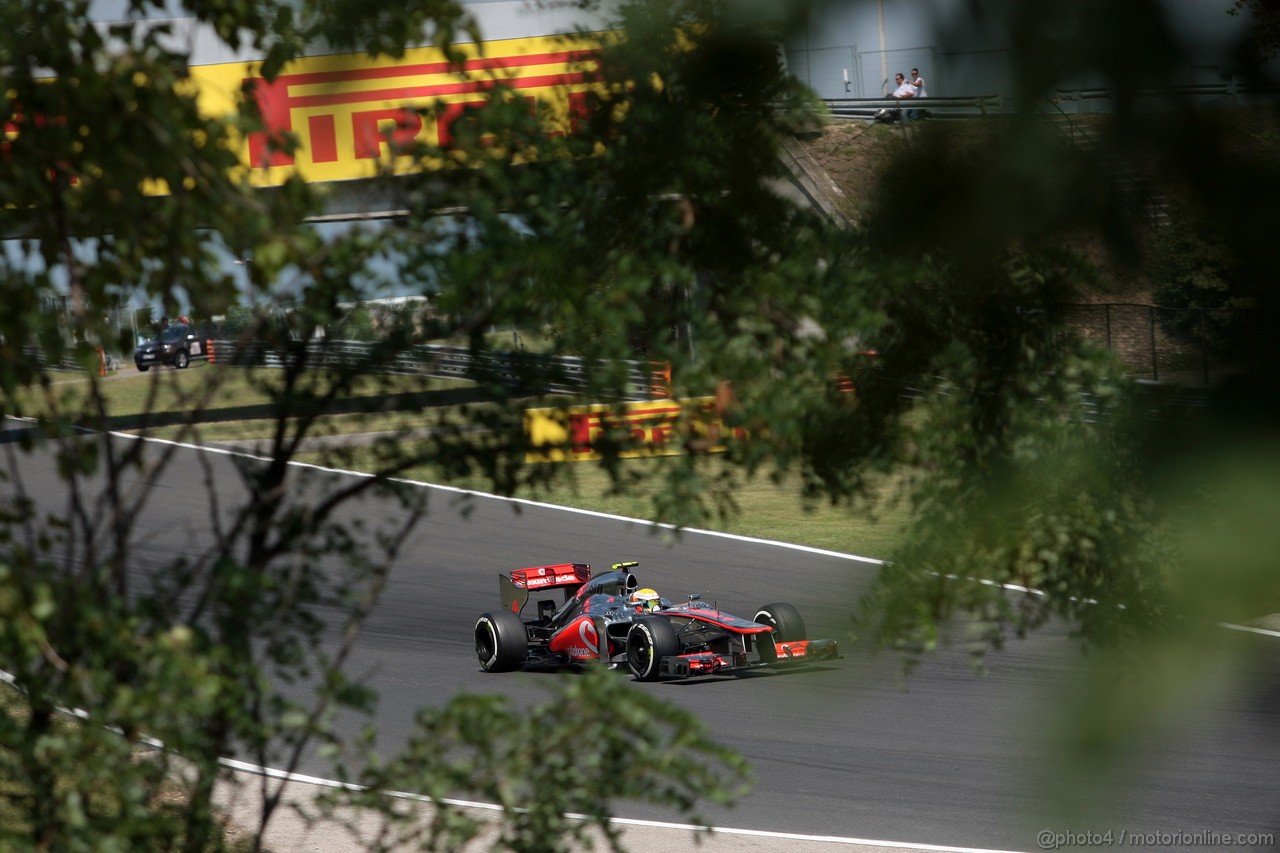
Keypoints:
pixel 520 371
pixel 976 106
pixel 66 363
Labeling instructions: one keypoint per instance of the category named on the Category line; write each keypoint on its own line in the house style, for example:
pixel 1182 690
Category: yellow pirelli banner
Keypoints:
pixel 648 428
pixel 353 114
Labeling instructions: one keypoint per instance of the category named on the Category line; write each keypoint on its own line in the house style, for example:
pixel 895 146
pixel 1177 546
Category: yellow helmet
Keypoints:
pixel 645 599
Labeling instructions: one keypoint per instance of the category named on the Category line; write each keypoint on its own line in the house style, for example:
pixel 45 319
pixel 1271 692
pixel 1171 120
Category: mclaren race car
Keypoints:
pixel 577 619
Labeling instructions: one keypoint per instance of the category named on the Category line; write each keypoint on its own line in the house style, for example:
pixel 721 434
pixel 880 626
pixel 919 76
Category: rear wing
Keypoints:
pixel 514 590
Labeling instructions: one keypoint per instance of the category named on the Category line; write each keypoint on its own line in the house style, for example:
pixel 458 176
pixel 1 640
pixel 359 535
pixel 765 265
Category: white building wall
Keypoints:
pixel 961 53
pixel 498 20
pixel 850 48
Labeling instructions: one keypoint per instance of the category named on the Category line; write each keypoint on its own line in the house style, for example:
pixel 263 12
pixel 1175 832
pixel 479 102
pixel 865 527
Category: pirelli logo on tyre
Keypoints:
pixel 648 428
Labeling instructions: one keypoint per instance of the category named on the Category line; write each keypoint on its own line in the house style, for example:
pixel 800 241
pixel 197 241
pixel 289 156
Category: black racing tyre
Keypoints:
pixel 181 360
pixel 648 642
pixel 786 624
pixel 502 643
pixel 143 368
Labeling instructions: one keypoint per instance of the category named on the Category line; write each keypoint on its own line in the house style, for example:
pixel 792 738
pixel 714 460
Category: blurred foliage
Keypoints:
pixel 1263 41
pixel 1039 467
pixel 357 325
pixel 238 320
pixel 622 744
pixel 1192 263
pixel 201 650
pixel 1194 269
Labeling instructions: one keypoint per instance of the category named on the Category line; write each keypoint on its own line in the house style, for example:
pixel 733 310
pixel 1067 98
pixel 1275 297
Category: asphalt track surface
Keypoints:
pixel 848 750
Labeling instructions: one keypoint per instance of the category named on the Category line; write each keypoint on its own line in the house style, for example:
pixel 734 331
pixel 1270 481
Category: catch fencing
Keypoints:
pixel 1186 346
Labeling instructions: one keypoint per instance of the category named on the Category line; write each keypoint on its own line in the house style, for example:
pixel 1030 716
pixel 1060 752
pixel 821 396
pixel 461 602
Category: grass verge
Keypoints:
pixel 239 409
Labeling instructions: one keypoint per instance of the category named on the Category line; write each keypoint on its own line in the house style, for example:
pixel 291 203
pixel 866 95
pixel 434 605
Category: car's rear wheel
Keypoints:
pixel 648 642
pixel 786 624
pixel 502 643
pixel 181 360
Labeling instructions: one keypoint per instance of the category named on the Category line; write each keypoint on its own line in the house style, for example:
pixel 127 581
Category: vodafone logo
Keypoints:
pixel 579 640
pixel 587 631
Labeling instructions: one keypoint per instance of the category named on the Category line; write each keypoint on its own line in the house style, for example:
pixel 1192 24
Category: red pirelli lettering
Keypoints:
pixel 278 99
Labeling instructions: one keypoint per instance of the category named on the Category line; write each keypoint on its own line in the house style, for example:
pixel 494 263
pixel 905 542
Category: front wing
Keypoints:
pixel 712 663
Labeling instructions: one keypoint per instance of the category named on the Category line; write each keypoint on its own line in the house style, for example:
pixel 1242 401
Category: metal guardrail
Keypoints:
pixel 544 374
pixel 976 106
pixel 36 355
pixel 1230 89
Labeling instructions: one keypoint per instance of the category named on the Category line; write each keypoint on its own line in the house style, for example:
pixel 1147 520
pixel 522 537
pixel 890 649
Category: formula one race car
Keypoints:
pixel 580 619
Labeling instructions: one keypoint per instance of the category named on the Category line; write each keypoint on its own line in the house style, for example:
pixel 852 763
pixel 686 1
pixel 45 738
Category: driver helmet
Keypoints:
pixel 645 599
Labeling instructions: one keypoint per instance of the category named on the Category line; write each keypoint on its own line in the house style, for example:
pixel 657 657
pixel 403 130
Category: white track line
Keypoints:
pixel 245 767
pixel 522 501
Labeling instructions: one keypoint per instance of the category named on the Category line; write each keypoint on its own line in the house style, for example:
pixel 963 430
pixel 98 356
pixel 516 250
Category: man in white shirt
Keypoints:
pixel 917 84
pixel 904 91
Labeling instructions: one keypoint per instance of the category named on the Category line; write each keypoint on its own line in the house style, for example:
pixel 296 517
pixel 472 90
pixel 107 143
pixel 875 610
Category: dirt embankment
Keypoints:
pixel 854 154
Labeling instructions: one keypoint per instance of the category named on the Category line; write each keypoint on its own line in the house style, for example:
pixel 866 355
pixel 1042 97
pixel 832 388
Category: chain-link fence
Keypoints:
pixel 1192 346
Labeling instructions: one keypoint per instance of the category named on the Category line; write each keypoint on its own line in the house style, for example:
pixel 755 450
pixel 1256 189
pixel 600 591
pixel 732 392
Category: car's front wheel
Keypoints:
pixel 502 643
pixel 786 624
pixel 143 368
pixel 181 360
pixel 648 642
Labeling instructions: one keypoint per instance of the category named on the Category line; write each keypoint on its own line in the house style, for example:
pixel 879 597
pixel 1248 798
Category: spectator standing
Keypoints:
pixel 917 85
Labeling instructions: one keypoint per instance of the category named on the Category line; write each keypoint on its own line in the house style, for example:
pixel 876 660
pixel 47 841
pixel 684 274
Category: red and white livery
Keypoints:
pixel 578 619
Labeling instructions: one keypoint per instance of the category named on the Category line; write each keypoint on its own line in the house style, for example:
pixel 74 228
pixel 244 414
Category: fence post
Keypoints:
pixel 1106 310
pixel 210 350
